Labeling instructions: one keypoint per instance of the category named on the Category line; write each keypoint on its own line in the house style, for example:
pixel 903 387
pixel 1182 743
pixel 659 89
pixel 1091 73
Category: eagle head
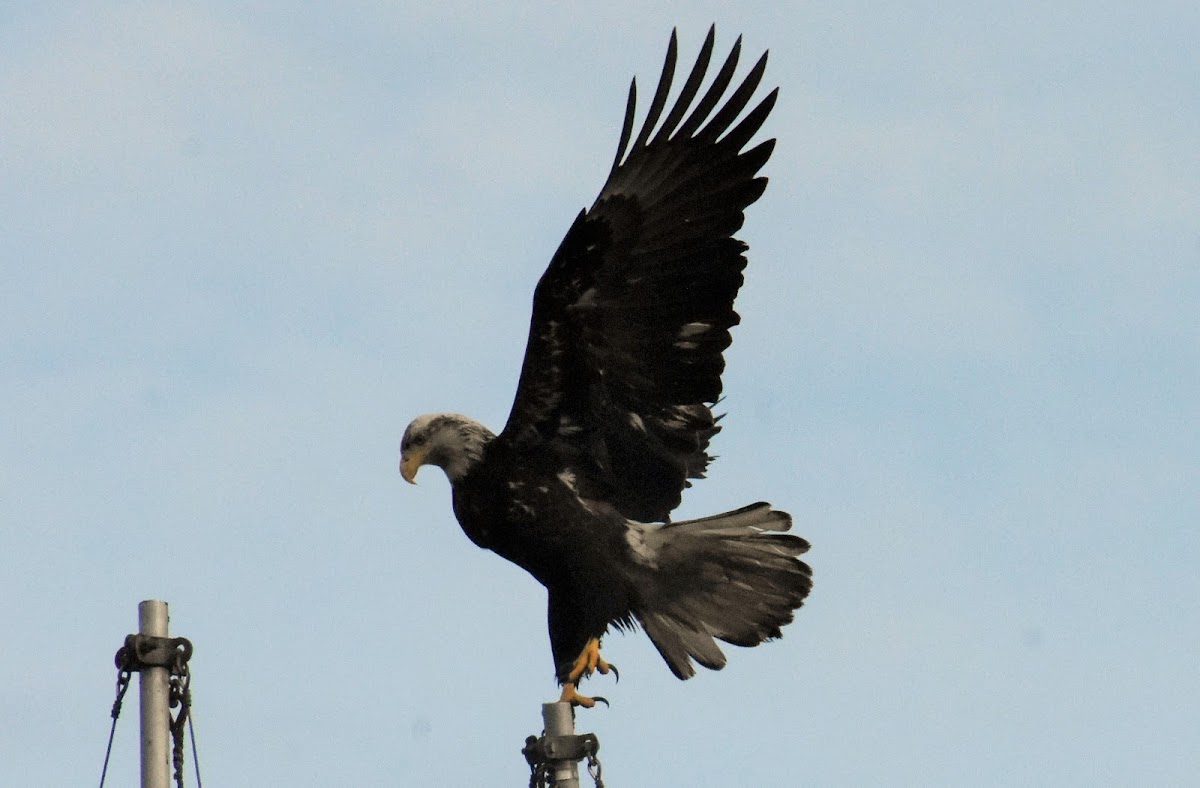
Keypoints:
pixel 450 441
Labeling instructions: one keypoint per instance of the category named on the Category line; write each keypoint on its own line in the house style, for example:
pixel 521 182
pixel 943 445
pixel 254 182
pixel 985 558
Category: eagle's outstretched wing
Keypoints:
pixel 631 317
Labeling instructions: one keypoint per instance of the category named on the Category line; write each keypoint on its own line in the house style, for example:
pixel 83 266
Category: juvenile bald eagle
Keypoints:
pixel 613 414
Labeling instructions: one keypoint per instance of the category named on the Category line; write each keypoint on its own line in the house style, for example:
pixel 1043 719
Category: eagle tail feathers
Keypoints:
pixel 733 577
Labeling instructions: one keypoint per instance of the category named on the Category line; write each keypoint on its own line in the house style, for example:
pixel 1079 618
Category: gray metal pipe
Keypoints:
pixel 155 685
pixel 559 720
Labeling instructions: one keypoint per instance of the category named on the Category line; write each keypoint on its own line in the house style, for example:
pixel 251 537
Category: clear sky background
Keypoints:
pixel 241 245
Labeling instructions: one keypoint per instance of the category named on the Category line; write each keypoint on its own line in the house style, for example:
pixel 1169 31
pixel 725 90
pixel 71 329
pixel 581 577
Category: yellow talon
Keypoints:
pixel 589 661
pixel 569 695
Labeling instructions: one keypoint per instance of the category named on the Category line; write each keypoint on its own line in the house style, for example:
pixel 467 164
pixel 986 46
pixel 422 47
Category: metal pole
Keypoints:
pixel 154 684
pixel 559 720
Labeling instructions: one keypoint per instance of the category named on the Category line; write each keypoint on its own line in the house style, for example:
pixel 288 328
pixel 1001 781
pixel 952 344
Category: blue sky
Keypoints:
pixel 244 245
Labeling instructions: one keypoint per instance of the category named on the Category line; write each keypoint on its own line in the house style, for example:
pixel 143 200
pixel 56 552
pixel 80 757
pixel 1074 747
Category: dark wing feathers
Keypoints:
pixel 689 90
pixel 715 90
pixel 626 128
pixel 632 315
pixel 660 94
pixel 736 103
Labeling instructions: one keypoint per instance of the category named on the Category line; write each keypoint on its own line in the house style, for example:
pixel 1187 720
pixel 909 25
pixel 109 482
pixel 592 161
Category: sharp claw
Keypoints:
pixel 616 673
pixel 588 662
pixel 601 699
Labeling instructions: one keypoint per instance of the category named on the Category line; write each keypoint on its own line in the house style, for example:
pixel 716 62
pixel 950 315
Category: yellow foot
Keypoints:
pixel 589 661
pixel 569 695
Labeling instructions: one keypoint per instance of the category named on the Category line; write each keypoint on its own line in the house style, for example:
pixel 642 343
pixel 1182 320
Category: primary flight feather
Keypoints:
pixel 613 411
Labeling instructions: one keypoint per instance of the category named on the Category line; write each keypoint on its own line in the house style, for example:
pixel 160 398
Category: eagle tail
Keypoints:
pixel 733 577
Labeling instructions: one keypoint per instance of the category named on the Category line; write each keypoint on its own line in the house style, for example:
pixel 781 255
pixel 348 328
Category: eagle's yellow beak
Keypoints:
pixel 410 464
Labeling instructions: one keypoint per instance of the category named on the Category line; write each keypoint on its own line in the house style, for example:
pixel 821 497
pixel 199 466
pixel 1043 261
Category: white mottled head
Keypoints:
pixel 448 440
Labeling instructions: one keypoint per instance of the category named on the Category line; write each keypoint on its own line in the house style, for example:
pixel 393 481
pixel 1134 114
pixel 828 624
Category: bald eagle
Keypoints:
pixel 613 412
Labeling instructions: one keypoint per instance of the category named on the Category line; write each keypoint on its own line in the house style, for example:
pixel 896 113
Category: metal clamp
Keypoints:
pixel 147 651
pixel 560 748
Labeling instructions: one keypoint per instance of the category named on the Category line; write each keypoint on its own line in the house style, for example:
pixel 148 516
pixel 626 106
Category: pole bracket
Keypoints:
pixel 560 748
pixel 148 651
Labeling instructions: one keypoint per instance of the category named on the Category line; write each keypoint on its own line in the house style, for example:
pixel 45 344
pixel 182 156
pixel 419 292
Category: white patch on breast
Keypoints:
pixel 568 479
pixel 639 545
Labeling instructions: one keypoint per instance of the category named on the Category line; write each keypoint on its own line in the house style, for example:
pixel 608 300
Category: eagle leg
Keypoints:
pixel 569 695
pixel 588 662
